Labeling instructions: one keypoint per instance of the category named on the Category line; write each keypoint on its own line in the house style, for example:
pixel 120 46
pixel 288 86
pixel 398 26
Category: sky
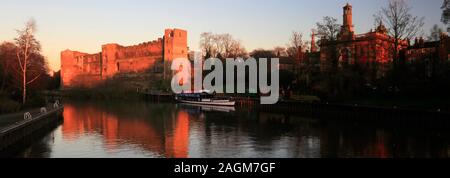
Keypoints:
pixel 84 25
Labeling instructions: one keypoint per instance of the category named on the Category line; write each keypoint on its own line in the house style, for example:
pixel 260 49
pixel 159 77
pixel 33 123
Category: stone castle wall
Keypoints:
pixel 88 70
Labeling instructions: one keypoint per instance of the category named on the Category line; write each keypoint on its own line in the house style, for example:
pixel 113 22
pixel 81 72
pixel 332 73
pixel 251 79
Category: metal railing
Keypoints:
pixel 27 116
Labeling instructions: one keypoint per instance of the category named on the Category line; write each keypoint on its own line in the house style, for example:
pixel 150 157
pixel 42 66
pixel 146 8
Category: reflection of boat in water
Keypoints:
pixel 209 107
pixel 203 98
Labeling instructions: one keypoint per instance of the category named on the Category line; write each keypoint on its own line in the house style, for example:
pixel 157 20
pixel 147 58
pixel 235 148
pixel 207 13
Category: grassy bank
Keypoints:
pixel 8 105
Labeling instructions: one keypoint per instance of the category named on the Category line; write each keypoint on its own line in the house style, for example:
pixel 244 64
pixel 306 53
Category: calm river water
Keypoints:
pixel 139 129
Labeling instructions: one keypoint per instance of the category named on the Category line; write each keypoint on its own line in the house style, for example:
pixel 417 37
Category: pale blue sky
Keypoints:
pixel 85 25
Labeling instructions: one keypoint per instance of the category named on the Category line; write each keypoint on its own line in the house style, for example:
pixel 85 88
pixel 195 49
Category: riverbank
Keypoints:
pixel 422 103
pixel 95 94
pixel 8 105
pixel 17 127
pixel 156 130
pixel 408 107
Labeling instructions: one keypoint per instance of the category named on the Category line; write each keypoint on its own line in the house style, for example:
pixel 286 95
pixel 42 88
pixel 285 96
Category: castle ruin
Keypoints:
pixel 137 64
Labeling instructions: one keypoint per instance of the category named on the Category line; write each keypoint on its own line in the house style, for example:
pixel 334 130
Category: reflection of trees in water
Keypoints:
pixel 173 131
pixel 246 133
pixel 268 133
pixel 347 140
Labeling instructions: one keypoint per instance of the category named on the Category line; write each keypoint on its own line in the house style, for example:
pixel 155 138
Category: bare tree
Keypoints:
pixel 435 33
pixel 402 25
pixel 237 50
pixel 218 45
pixel 227 44
pixel 221 45
pixel 206 43
pixel 27 47
pixel 446 13
pixel 280 51
pixel 328 29
pixel 296 44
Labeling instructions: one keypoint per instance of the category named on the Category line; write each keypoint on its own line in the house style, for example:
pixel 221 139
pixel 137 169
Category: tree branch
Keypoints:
pixel 34 79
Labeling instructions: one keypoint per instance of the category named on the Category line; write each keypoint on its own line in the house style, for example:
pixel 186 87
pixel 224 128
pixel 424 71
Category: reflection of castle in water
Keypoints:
pixel 166 137
pixel 189 131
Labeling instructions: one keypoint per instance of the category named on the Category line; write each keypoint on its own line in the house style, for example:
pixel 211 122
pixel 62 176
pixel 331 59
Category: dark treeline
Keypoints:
pixel 422 82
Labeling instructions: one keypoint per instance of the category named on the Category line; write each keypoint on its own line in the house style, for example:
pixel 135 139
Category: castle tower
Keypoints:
pixel 70 65
pixel 347 32
pixel 110 65
pixel 175 46
pixel 313 42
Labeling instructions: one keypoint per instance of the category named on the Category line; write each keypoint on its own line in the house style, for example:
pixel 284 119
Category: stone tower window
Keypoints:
pixel 118 67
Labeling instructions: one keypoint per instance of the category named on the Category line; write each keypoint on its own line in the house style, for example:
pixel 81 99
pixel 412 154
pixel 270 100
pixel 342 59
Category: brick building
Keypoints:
pixel 430 55
pixel 374 46
pixel 426 50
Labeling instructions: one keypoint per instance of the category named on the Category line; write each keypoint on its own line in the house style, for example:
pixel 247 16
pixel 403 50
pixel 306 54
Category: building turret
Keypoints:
pixel 381 28
pixel 347 32
pixel 348 18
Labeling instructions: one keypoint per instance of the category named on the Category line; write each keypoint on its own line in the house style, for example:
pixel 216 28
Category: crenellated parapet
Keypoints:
pixel 87 70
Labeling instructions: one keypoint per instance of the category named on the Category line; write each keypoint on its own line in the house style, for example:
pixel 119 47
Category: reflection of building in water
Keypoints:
pixel 354 142
pixel 177 143
pixel 166 131
pixel 173 141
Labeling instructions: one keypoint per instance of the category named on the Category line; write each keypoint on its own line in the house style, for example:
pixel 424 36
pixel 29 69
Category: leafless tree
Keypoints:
pixel 328 29
pixel 226 43
pixel 402 25
pixel 218 45
pixel 296 44
pixel 206 43
pixel 435 33
pixel 237 50
pixel 27 47
pixel 221 45
pixel 446 13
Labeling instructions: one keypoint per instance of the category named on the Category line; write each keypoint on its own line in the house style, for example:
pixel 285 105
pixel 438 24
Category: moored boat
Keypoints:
pixel 204 98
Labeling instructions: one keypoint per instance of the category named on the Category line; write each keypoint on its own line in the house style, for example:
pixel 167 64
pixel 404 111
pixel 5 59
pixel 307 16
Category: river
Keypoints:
pixel 140 129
